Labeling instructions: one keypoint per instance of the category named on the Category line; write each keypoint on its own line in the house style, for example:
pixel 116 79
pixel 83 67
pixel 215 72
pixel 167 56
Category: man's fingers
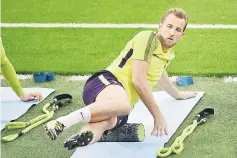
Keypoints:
pixel 158 131
pixel 32 96
pixel 166 131
pixel 191 95
pixel 194 94
pixel 41 96
pixel 29 96
pixel 37 96
pixel 154 132
pixel 161 132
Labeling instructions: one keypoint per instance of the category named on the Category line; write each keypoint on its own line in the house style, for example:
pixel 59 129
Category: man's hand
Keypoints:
pixel 186 95
pixel 160 126
pixel 31 96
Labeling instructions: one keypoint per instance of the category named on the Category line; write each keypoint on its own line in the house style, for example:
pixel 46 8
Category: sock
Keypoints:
pixel 82 115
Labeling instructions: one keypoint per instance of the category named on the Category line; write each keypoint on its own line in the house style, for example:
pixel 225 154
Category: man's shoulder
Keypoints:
pixel 171 51
pixel 146 32
pixel 143 35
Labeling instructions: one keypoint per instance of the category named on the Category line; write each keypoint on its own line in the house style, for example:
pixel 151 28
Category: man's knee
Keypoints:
pixel 118 106
pixel 115 96
pixel 111 122
pixel 125 108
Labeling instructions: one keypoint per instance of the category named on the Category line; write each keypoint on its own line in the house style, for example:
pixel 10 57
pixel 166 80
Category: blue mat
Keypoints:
pixel 175 111
pixel 12 107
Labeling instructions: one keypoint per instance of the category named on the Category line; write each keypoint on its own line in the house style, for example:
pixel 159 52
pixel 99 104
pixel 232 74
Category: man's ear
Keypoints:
pixel 182 35
pixel 159 25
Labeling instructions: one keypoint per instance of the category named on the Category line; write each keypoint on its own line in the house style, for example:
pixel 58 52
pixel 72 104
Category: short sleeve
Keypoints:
pixel 142 45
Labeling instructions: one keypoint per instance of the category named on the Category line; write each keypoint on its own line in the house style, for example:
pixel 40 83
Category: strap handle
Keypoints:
pixel 203 115
pixel 62 99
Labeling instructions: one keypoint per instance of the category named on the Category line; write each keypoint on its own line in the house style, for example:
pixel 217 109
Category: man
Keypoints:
pixel 111 94
pixel 9 74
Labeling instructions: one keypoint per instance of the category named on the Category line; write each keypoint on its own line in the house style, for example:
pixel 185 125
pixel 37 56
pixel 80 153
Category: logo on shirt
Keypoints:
pixel 156 55
pixel 82 116
pixel 167 62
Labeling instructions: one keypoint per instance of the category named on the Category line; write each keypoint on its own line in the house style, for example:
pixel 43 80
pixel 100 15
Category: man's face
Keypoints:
pixel 171 30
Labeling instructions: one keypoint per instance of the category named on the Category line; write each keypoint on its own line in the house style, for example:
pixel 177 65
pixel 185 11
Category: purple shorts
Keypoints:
pixel 94 85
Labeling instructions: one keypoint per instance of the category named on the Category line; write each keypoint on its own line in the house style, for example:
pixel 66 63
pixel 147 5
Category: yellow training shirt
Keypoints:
pixel 144 46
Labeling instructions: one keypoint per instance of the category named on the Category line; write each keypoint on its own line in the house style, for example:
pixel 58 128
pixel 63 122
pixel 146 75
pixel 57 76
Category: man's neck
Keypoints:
pixel 164 49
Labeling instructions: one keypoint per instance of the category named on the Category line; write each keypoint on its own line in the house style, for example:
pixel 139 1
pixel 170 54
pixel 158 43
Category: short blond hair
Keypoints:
pixel 179 13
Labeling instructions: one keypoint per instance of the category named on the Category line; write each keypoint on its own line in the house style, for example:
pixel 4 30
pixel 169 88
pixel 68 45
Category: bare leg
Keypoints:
pixel 111 101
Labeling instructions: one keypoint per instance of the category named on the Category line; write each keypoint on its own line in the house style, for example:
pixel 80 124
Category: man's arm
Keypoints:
pixel 166 85
pixel 139 72
pixel 10 76
pixel 140 69
pixel 9 73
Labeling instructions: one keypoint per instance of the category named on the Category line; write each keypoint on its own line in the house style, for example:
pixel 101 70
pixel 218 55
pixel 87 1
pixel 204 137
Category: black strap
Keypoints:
pixel 204 114
pixel 63 96
pixel 61 99
pixel 20 133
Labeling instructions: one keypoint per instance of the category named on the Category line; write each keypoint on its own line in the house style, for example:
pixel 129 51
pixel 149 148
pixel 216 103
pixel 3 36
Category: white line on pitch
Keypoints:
pixel 109 25
pixel 230 79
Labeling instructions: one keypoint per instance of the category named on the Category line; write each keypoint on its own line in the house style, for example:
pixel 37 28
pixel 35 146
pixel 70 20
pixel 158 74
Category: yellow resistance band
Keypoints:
pixel 28 125
pixel 177 147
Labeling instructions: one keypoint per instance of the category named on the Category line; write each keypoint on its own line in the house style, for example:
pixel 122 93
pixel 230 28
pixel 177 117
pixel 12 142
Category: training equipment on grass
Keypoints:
pixel 177 147
pixel 43 76
pixel 12 107
pixel 184 81
pixel 49 76
pixel 129 132
pixel 58 101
